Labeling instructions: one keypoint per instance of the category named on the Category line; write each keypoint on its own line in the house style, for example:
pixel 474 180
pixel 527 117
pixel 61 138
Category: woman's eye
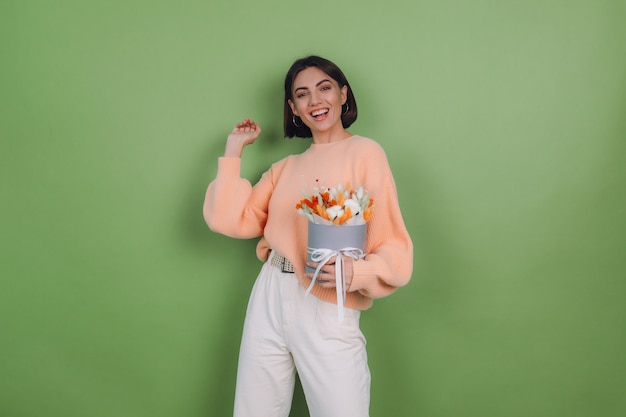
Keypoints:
pixel 301 95
pixel 326 87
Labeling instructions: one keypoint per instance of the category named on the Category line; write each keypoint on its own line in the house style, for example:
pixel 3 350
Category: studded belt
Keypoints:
pixel 282 263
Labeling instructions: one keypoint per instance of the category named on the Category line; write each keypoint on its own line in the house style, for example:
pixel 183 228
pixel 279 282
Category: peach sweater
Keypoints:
pixel 235 208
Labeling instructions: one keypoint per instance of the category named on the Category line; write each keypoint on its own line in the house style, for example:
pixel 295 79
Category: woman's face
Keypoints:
pixel 317 100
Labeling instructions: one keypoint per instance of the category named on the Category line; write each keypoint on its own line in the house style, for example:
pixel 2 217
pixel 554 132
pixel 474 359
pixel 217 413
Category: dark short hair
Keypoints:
pixel 332 71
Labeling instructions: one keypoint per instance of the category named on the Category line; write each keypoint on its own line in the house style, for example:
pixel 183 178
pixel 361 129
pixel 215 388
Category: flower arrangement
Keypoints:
pixel 340 205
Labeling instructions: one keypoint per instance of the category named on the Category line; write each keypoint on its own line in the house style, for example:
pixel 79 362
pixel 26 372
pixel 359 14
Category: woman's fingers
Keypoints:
pixel 325 276
pixel 247 125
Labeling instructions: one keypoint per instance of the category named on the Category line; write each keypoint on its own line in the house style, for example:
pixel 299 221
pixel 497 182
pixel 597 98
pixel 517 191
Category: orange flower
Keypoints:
pixel 321 211
pixel 367 214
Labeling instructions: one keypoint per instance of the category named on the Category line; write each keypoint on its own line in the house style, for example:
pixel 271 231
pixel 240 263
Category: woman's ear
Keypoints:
pixel 344 94
pixel 293 108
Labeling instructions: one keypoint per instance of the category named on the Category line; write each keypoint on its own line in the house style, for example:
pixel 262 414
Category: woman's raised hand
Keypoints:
pixel 243 134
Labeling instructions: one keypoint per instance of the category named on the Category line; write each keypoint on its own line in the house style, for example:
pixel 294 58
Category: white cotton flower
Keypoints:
pixel 354 205
pixel 334 212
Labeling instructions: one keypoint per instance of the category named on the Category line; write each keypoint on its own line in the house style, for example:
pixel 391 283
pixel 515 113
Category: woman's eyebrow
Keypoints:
pixel 317 85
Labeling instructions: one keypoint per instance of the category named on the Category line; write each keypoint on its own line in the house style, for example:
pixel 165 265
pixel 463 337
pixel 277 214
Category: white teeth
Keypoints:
pixel 319 112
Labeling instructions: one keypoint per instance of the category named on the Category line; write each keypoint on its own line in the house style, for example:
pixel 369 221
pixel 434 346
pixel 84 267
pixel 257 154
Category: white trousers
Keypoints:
pixel 285 333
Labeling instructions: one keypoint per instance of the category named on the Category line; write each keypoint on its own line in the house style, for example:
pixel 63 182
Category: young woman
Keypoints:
pixel 284 331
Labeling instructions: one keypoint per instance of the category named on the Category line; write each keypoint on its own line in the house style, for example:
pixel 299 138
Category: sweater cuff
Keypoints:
pixel 363 272
pixel 228 167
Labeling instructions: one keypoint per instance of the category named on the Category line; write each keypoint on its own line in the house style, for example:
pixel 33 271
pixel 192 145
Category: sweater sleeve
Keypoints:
pixel 232 206
pixel 388 264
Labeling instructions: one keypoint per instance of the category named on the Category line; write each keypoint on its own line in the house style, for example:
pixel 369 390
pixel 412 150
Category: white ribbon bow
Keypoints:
pixel 323 256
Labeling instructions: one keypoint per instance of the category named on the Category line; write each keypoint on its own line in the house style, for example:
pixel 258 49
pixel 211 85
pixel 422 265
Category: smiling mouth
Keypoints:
pixel 319 114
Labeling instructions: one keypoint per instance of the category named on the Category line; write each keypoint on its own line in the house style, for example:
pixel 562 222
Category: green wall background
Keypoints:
pixel 504 123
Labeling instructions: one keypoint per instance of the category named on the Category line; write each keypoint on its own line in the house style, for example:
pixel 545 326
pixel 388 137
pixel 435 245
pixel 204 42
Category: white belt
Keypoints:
pixel 282 263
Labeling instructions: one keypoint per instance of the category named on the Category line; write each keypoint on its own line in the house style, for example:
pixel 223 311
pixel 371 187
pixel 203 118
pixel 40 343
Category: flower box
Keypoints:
pixel 337 228
pixel 335 238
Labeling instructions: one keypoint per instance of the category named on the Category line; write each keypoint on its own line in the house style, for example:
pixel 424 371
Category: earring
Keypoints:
pixel 347 107
pixel 293 119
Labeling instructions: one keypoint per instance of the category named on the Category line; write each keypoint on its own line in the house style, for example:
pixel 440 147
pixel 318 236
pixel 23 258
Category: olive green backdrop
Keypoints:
pixel 505 126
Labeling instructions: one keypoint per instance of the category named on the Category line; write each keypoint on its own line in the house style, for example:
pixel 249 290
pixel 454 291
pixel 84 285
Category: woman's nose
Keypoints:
pixel 315 98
